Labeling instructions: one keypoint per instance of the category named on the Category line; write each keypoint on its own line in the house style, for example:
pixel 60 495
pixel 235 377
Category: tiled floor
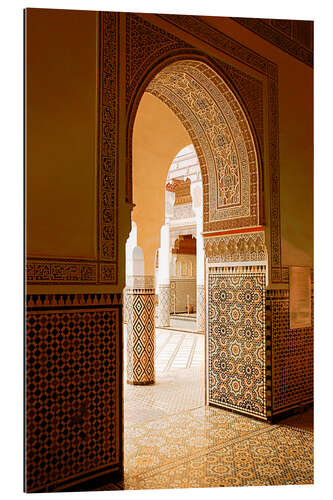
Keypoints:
pixel 173 441
pixel 179 379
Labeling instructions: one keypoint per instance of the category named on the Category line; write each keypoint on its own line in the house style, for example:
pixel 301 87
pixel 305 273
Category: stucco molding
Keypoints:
pixel 236 247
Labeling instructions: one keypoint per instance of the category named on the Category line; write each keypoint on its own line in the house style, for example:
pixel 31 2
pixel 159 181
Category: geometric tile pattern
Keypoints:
pixel 108 148
pixel 163 308
pixel 200 308
pixel 209 447
pixel 179 363
pixel 236 339
pixel 73 391
pixel 141 337
pixel 292 355
pixel 169 446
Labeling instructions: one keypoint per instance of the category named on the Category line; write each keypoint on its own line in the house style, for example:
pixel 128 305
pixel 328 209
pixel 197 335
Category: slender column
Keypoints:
pixel 141 330
pixel 200 308
pixel 200 277
pixel 163 305
pixel 125 308
pixel 163 289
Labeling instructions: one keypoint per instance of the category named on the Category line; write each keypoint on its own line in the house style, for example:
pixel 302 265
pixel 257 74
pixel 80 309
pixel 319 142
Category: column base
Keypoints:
pixel 141 383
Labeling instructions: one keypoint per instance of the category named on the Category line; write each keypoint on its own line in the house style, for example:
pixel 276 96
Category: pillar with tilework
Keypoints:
pixel 141 330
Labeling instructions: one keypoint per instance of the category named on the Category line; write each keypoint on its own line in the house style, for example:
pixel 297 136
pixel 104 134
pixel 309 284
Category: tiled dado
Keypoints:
pixel 291 354
pixel 73 388
pixel 140 330
pixel 236 339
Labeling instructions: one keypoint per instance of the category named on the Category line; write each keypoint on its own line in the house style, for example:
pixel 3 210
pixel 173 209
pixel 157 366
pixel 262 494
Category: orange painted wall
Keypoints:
pixel 158 136
pixel 61 133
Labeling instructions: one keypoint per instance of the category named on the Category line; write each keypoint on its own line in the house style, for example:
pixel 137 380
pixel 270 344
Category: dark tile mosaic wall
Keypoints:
pixel 73 388
pixel 291 357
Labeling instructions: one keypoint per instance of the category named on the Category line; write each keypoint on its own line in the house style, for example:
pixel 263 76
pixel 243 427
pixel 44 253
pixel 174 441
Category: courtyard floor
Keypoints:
pixel 172 440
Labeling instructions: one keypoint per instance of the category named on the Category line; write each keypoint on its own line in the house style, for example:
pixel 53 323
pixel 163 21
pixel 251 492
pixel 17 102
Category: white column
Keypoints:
pixel 131 243
pixel 200 273
pixel 163 287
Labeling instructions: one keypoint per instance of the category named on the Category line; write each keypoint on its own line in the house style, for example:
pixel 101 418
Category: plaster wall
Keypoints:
pixel 61 132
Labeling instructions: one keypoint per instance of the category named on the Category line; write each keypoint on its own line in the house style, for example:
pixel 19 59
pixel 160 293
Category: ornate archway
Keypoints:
pixel 236 257
pixel 222 138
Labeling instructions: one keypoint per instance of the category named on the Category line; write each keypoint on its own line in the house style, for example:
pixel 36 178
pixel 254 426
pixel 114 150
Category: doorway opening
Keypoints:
pixel 198 240
pixel 177 280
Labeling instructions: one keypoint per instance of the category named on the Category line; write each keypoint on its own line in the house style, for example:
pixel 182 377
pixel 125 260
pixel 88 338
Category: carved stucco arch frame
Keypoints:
pixel 162 63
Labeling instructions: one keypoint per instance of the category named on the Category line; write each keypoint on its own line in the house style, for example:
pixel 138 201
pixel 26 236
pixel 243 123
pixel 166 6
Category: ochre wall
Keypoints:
pixel 296 143
pixel 158 136
pixel 61 132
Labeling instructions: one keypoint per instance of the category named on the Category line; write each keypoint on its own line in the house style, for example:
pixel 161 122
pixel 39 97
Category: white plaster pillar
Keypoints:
pixel 163 287
pixel 200 274
pixel 131 243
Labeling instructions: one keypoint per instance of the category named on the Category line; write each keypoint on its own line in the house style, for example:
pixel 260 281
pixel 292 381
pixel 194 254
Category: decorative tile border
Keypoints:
pixel 241 247
pixel 51 300
pixel 47 271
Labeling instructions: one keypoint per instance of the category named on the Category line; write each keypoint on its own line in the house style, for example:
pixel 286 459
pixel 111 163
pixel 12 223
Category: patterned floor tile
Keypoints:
pixel 272 456
pixel 173 441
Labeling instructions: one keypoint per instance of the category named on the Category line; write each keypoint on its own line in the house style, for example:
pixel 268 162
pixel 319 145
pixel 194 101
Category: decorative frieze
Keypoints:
pixel 241 247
